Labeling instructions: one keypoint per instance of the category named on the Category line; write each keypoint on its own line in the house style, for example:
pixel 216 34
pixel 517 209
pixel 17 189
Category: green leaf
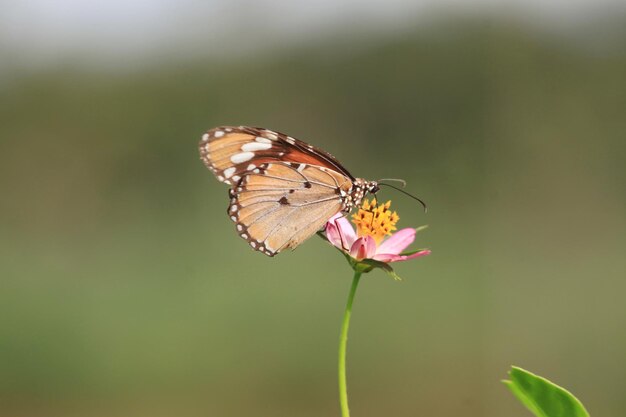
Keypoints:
pixel 420 228
pixel 542 397
pixel 389 270
pixel 411 252
pixel 382 265
pixel 368 265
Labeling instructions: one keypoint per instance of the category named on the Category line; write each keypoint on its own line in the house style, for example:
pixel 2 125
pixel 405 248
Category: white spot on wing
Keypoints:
pixel 228 172
pixel 250 167
pixel 271 135
pixel 236 178
pixel 219 134
pixel 239 158
pixel 205 137
pixel 220 178
pixel 261 139
pixel 301 167
pixel 255 146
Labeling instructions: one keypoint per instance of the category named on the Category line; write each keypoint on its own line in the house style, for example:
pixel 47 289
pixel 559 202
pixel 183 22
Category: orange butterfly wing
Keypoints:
pixel 281 204
pixel 283 190
pixel 229 152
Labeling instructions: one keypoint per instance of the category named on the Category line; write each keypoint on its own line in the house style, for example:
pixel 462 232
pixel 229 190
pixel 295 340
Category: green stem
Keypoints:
pixel 343 342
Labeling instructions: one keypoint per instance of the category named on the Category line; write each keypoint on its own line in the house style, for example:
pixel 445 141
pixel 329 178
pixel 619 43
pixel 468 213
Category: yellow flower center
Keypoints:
pixel 375 220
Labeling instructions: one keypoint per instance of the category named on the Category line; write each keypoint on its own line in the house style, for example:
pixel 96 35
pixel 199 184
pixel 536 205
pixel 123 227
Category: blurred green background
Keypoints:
pixel 124 290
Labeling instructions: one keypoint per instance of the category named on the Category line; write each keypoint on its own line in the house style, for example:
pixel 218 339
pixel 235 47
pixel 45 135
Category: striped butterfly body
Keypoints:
pixel 282 189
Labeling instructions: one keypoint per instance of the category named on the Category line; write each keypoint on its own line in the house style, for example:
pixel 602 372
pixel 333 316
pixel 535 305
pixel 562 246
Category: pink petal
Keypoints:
pixel 398 242
pixel 390 257
pixel 363 248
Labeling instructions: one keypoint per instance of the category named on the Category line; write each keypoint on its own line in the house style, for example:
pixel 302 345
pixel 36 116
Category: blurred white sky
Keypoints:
pixel 45 31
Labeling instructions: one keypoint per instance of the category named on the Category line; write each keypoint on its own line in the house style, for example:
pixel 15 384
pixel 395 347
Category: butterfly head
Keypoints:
pixel 372 187
pixel 360 188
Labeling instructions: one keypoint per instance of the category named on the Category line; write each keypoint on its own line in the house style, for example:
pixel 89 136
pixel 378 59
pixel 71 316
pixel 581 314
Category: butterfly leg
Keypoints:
pixel 343 241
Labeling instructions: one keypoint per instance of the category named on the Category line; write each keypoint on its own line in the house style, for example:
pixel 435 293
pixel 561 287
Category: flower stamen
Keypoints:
pixel 375 220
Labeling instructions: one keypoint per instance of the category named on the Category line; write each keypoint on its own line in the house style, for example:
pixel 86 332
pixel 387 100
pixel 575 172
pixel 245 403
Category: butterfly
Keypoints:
pixel 282 190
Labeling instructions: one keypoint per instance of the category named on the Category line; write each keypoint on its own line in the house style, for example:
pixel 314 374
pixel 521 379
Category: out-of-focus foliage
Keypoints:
pixel 125 290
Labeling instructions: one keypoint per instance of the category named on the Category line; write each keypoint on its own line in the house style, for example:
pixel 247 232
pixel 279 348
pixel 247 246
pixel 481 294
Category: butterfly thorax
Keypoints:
pixel 353 197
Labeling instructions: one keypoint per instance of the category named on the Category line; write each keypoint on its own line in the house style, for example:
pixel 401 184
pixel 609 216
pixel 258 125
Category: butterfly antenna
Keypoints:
pixel 408 194
pixel 401 181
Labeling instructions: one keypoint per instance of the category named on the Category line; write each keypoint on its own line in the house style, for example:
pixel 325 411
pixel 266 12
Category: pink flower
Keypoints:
pixel 340 233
